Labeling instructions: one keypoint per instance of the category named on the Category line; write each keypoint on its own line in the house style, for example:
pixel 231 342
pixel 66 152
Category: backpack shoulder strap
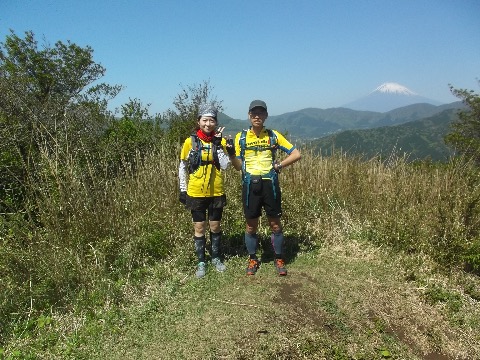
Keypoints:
pixel 273 138
pixel 273 143
pixel 243 142
pixel 194 156
pixel 195 141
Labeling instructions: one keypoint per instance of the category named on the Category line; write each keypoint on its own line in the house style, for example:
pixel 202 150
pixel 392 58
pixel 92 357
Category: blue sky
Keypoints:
pixel 292 54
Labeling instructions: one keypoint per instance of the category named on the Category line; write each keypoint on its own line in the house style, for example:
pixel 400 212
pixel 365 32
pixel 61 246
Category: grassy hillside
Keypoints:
pixel 376 252
pixel 417 140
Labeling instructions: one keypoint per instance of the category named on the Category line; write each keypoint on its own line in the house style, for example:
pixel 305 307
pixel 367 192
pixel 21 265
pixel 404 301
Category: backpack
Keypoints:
pixel 195 156
pixel 273 142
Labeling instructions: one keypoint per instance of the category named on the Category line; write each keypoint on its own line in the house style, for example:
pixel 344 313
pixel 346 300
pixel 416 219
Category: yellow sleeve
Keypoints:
pixel 187 146
pixel 283 143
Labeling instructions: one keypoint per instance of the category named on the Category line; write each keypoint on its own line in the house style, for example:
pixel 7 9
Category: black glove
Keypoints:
pixel 217 140
pixel 183 197
pixel 230 147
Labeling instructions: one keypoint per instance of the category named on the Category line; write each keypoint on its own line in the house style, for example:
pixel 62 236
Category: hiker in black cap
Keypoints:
pixel 202 157
pixel 254 154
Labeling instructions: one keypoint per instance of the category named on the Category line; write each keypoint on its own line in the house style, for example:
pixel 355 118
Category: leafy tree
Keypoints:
pixel 183 119
pixel 51 103
pixel 465 135
pixel 135 133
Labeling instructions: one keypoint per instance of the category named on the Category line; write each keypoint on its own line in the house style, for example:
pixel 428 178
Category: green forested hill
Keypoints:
pixel 418 139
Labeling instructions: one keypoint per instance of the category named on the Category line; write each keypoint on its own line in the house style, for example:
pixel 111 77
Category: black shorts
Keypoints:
pixel 199 207
pixel 262 198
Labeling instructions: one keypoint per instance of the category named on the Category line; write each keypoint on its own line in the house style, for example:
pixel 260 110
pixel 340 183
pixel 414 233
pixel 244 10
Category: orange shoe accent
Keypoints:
pixel 252 266
pixel 280 265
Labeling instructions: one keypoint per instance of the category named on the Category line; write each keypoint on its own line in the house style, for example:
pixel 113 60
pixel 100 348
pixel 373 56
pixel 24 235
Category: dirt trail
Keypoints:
pixel 340 304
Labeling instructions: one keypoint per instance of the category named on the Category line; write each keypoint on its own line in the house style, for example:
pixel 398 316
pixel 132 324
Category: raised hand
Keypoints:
pixel 217 137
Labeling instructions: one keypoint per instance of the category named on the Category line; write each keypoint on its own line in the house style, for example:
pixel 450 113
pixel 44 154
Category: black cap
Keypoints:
pixel 257 103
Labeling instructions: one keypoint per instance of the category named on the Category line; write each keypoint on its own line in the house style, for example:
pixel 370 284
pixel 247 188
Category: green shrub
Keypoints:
pixel 472 256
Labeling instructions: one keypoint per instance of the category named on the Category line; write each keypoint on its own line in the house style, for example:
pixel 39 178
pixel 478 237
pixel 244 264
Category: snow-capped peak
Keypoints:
pixel 393 88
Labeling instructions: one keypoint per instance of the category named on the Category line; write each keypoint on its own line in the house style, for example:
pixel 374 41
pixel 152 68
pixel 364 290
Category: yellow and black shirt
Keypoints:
pixel 257 159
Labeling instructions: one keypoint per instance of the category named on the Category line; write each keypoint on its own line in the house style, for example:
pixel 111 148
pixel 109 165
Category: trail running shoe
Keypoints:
pixel 218 265
pixel 253 265
pixel 201 270
pixel 280 265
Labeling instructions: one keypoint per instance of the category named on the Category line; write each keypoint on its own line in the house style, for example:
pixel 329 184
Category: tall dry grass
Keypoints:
pixel 423 207
pixel 93 234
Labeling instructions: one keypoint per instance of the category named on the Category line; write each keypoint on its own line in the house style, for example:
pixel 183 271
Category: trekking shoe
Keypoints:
pixel 253 265
pixel 218 265
pixel 201 270
pixel 280 265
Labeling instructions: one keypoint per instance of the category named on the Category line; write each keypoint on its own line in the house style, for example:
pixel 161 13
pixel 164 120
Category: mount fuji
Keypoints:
pixel 389 96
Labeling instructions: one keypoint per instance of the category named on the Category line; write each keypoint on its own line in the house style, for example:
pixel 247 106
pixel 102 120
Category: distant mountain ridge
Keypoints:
pixel 389 96
pixel 391 118
pixel 312 123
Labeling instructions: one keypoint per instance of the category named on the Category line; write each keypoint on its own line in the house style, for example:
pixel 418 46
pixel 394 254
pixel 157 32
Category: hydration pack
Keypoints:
pixel 195 155
pixel 273 146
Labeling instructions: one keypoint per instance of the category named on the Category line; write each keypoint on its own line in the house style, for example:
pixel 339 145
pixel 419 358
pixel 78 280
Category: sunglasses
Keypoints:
pixel 258 112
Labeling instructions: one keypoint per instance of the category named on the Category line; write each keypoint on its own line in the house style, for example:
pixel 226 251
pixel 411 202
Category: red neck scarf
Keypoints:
pixel 203 136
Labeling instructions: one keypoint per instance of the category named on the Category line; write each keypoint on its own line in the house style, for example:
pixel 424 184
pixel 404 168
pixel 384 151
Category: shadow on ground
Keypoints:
pixel 234 245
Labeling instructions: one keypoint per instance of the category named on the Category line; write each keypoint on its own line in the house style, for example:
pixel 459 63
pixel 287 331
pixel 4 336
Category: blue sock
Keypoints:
pixel 200 248
pixel 251 242
pixel 215 239
pixel 277 242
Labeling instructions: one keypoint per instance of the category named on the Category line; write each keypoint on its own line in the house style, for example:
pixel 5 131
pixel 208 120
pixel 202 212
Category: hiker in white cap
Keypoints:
pixel 202 191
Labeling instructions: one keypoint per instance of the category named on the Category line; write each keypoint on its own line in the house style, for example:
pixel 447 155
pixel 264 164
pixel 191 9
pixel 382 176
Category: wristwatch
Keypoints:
pixel 279 166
